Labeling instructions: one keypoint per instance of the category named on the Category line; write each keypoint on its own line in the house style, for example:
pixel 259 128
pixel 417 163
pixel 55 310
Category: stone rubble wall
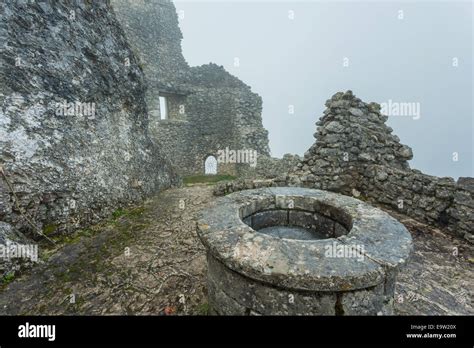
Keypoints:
pixel 437 201
pixel 219 110
pixel 70 170
pixel 356 154
pixel 270 167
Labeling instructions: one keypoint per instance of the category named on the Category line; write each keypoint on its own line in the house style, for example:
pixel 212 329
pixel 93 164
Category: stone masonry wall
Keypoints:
pixel 154 34
pixel 69 169
pixel 356 154
pixel 215 109
pixel 270 167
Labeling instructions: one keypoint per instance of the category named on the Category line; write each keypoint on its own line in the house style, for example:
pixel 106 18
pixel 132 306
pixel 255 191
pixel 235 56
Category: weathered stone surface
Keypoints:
pixel 270 167
pixel 363 159
pixel 365 302
pixel 466 183
pixel 67 171
pixel 223 304
pixel 10 234
pixel 10 237
pixel 208 108
pixel 244 296
pixel 71 166
pixel 380 245
pixel 435 282
pixel 166 261
pixel 270 218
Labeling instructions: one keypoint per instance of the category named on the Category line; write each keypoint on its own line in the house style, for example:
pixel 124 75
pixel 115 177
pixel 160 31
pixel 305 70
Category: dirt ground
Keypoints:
pixel 149 261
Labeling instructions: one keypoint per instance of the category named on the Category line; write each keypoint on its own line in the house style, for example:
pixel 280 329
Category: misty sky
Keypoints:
pixel 299 62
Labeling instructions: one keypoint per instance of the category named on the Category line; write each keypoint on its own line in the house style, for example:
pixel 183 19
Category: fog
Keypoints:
pixel 296 55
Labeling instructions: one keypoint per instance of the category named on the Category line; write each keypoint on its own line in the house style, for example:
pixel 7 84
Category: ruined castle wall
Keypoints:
pixel 209 109
pixel 270 167
pixel 152 30
pixel 208 125
pixel 151 27
pixel 211 127
pixel 70 169
pixel 223 113
pixel 438 201
pixel 355 153
pixel 171 137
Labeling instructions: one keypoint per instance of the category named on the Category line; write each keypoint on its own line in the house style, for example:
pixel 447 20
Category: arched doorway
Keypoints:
pixel 210 165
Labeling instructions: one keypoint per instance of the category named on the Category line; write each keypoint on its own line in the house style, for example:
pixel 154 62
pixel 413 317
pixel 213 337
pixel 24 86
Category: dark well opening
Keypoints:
pixel 298 224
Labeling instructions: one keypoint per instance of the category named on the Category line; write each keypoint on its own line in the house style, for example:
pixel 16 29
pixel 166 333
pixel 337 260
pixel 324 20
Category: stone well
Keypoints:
pixel 297 251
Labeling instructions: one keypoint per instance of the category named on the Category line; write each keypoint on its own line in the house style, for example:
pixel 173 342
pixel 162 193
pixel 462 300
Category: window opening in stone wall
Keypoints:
pixel 210 166
pixel 163 108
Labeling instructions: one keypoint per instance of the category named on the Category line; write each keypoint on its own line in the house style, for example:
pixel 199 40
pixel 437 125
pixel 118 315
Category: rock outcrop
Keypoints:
pixel 74 140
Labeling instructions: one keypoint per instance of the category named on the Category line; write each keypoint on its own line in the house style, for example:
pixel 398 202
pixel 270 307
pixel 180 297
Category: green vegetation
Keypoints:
pixel 203 309
pixel 49 229
pixel 133 212
pixel 8 278
pixel 73 237
pixel 47 250
pixel 62 239
pixel 206 179
pixel 118 213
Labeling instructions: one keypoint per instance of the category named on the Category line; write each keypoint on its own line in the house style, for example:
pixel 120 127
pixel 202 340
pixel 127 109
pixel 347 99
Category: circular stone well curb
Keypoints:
pixel 352 271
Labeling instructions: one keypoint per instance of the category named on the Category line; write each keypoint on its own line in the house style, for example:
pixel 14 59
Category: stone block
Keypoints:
pixel 363 302
pixel 269 218
pixel 324 225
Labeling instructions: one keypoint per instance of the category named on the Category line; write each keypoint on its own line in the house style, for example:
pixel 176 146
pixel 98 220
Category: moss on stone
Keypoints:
pixel 8 278
pixel 50 229
pixel 118 213
pixel 203 309
pixel 206 179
